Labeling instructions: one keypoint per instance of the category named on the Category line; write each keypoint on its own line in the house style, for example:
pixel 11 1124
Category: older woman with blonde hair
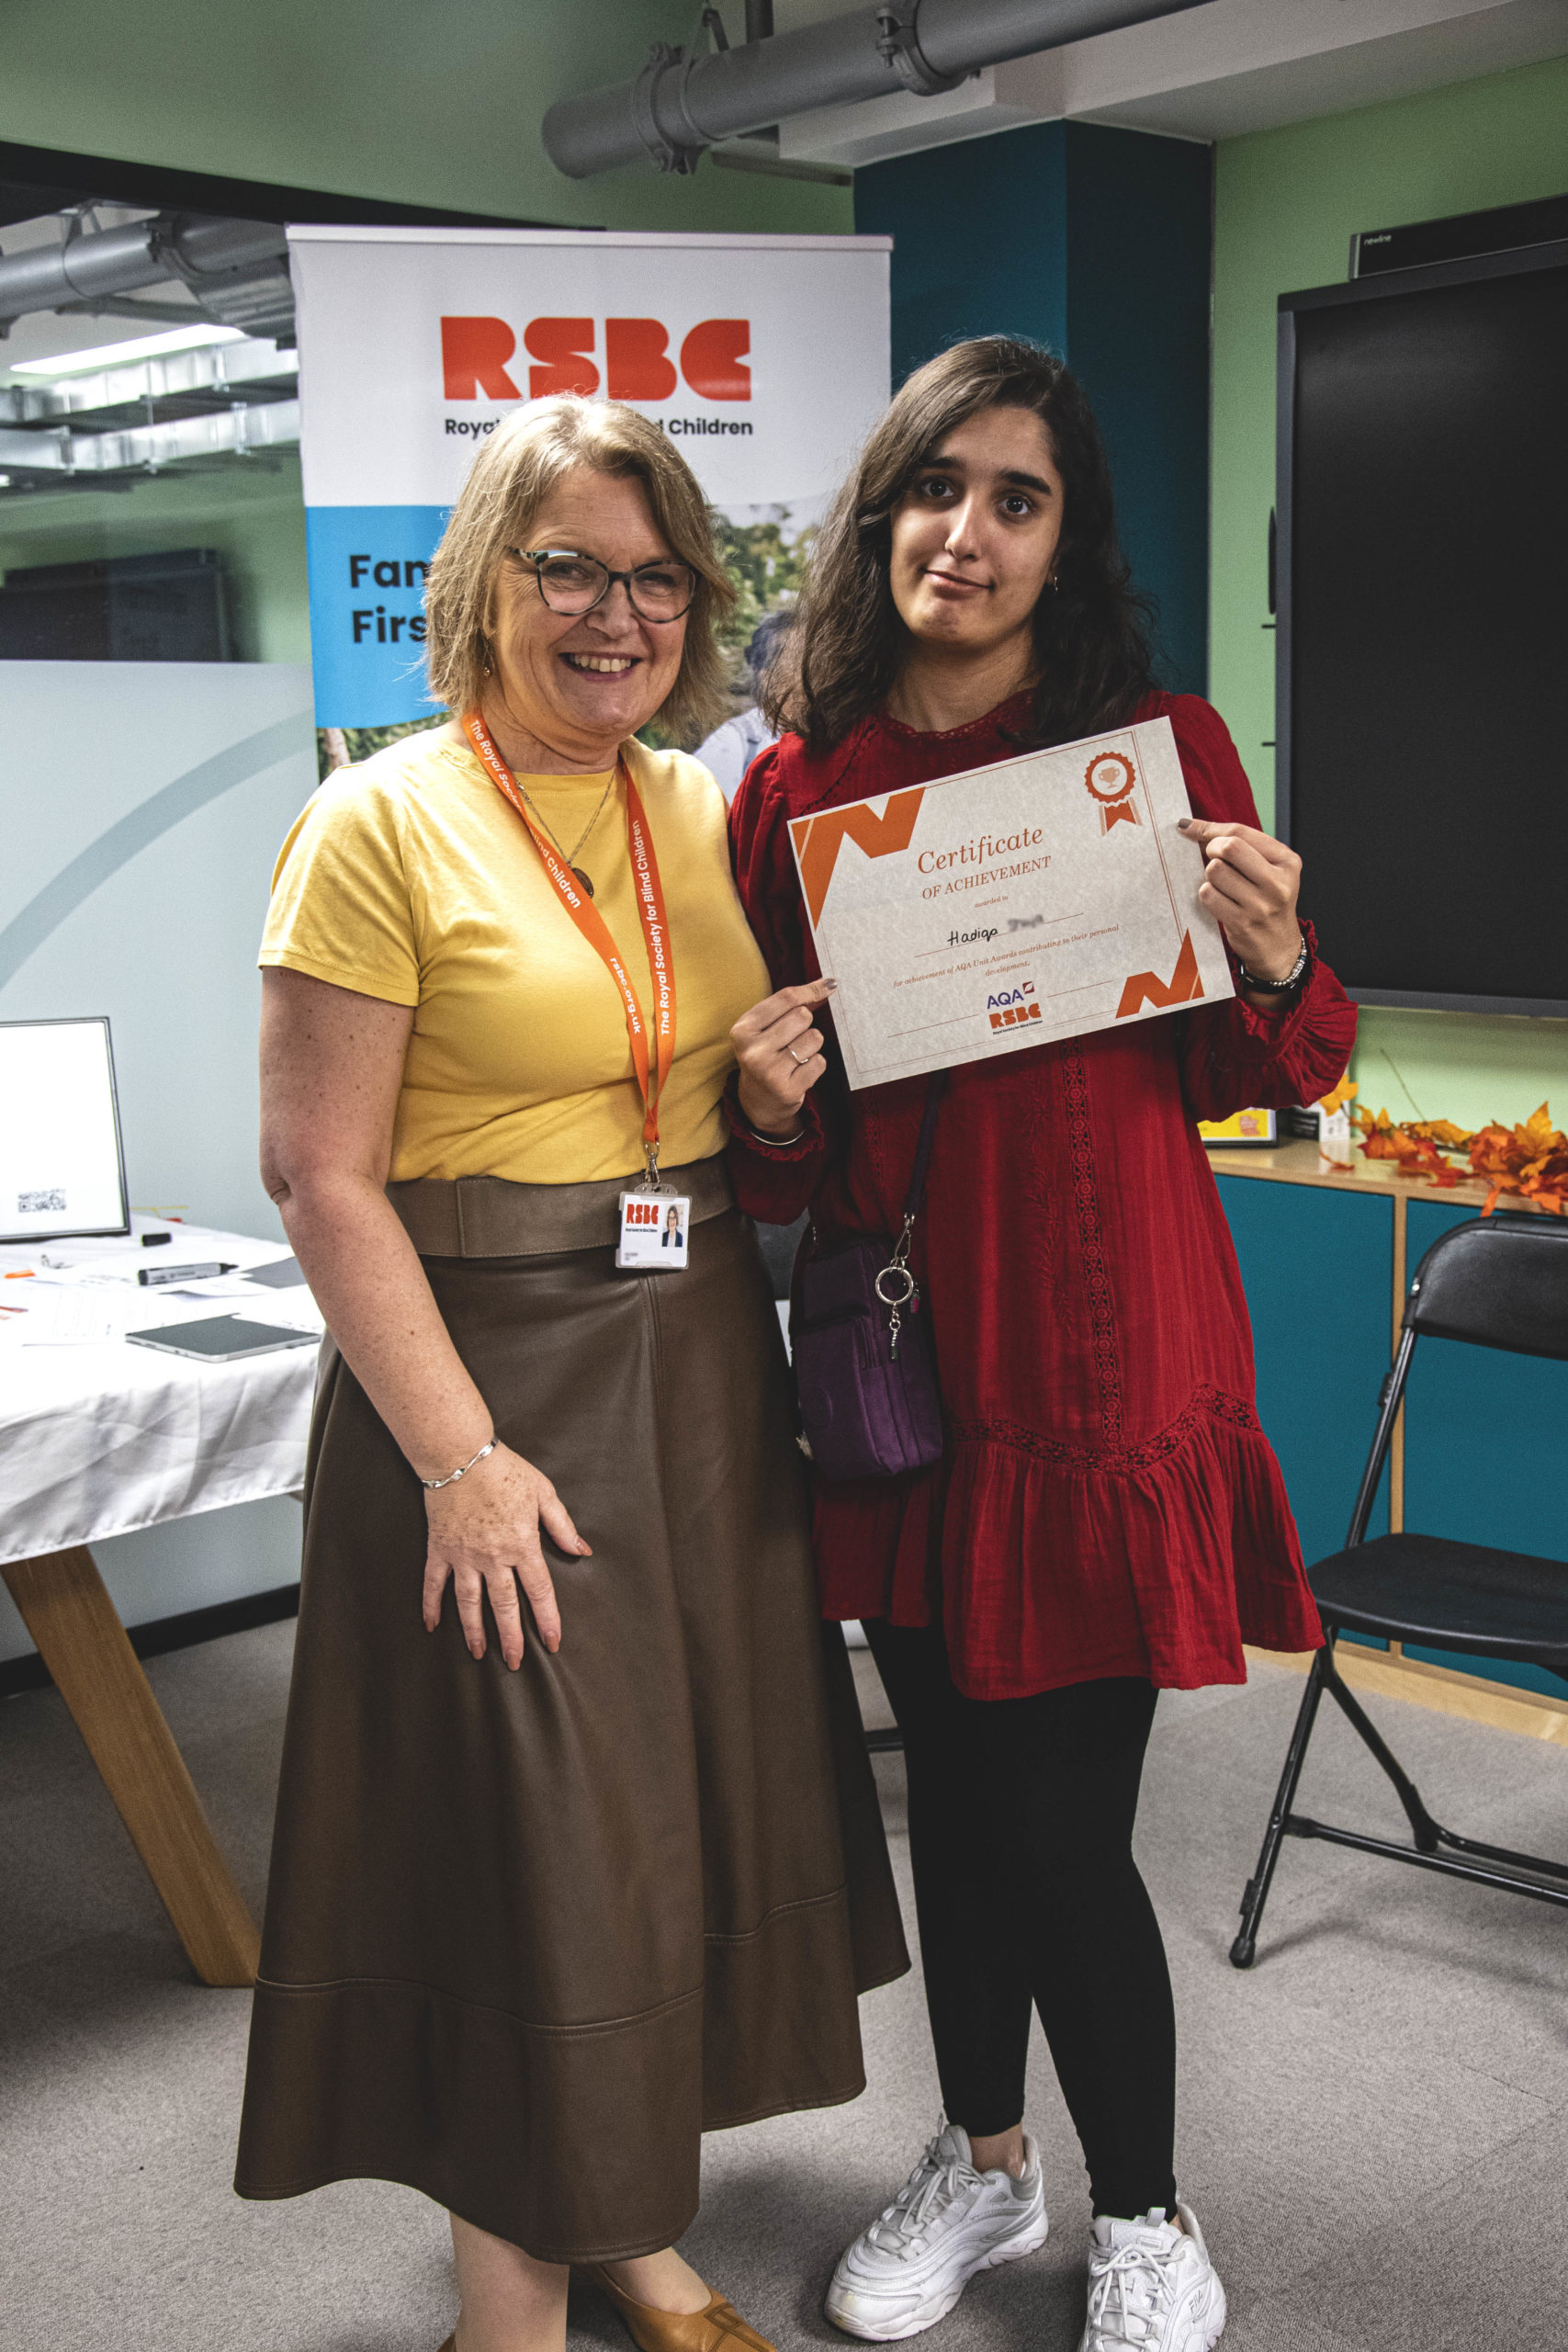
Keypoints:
pixel 563 1875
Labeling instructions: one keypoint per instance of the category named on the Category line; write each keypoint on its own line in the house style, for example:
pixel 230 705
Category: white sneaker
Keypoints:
pixel 947 2222
pixel 1152 2287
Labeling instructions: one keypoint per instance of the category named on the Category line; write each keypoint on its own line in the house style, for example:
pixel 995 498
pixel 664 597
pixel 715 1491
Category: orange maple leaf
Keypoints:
pixel 1443 1133
pixel 1530 1161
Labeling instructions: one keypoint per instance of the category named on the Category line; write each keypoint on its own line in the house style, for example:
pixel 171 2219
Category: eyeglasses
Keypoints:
pixel 570 583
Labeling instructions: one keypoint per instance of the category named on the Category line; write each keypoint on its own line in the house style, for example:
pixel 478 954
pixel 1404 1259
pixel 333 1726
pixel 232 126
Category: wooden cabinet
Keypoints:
pixel 1482 1454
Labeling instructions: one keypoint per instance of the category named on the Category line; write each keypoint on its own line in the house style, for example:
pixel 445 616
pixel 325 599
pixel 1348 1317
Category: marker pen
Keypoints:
pixel 155 1277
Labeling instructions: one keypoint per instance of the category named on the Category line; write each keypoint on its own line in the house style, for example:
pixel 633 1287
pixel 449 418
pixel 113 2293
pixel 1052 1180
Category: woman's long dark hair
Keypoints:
pixel 1089 631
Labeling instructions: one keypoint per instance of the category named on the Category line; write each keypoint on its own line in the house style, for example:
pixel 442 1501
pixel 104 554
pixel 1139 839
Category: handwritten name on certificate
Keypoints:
pixel 1041 897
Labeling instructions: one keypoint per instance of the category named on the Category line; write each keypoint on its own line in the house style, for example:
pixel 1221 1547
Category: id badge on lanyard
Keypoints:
pixel 655 1224
pixel 655 1219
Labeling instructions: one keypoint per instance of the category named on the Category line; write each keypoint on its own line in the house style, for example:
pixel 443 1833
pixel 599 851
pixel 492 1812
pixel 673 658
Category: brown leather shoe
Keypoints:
pixel 719 2327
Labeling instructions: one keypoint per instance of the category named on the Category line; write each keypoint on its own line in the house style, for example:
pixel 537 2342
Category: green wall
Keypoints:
pixel 1286 203
pixel 393 98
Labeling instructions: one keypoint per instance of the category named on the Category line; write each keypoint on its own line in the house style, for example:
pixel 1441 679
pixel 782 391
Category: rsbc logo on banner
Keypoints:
pixel 477 357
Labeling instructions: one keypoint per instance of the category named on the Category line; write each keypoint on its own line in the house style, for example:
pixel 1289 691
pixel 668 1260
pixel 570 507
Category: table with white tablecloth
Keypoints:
pixel 98 1437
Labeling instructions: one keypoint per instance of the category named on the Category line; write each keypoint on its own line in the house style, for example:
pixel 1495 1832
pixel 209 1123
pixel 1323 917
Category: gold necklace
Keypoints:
pixel 568 856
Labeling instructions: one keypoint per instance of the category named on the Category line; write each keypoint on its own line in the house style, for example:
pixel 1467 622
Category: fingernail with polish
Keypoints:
pixel 1182 824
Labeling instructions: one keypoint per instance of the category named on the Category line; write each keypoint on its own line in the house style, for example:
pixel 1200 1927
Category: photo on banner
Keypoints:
pixel 765 358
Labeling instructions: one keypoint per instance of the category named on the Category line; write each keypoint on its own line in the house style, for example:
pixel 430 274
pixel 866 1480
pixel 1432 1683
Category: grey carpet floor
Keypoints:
pixel 1374 2121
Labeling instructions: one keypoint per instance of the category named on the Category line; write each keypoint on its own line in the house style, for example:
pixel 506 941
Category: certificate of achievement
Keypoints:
pixel 1040 898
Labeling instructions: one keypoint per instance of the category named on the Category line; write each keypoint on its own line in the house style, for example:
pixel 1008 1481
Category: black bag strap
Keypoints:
pixel 936 1087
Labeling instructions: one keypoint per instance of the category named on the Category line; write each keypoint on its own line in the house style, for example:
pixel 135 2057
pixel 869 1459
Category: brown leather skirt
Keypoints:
pixel 529 1934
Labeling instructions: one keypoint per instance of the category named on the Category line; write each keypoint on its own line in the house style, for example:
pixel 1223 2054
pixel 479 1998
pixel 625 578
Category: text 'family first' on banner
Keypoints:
pixel 765 359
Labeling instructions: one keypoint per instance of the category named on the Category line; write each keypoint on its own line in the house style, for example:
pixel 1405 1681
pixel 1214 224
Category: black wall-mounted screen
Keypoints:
pixel 1422 629
pixel 170 608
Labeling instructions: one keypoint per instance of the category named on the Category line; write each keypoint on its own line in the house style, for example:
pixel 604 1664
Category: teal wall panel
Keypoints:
pixel 979 234
pixel 1097 242
pixel 1317 1266
pixel 1485 1452
pixel 1139 231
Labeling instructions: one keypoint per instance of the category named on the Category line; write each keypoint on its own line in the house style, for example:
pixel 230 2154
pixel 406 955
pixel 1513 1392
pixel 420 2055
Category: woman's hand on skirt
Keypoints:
pixel 778 1051
pixel 484 1534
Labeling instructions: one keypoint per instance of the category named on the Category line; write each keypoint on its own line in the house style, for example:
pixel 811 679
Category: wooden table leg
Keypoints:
pixel 63 1603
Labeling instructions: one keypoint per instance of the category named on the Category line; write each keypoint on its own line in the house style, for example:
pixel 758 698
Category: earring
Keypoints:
pixel 487 665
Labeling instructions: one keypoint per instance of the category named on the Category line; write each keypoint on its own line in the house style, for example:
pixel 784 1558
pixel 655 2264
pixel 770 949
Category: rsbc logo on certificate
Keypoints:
pixel 1041 897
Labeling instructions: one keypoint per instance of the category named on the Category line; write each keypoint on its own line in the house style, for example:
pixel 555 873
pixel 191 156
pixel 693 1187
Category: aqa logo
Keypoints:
pixel 1011 996
pixel 476 355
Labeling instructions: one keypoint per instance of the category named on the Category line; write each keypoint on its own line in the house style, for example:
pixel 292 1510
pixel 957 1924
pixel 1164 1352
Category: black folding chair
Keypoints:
pixel 1498 1282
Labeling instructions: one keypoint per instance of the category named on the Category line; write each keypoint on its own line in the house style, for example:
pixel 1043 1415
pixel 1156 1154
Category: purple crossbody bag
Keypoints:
pixel 865 1368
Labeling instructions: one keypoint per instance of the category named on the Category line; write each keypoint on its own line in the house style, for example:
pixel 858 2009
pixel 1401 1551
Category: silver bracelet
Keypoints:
pixel 776 1143
pixel 453 1475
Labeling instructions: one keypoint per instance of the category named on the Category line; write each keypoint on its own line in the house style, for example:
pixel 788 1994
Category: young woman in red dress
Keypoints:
pixel 1107 1518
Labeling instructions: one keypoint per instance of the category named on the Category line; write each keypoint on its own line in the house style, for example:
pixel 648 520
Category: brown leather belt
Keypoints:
pixel 489 1216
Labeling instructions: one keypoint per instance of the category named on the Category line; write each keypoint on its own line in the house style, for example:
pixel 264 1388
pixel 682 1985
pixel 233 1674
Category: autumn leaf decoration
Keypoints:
pixel 1530 1161
pixel 1416 1144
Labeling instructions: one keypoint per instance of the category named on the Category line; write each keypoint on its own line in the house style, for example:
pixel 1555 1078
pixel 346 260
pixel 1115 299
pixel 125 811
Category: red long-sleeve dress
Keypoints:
pixel 1107 1503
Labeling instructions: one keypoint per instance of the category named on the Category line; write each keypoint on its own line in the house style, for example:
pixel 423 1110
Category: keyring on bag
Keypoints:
pixel 909 1295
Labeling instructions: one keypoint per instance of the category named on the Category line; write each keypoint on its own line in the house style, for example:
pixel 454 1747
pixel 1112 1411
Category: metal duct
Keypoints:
pixel 216 259
pixel 49 460
pixel 680 105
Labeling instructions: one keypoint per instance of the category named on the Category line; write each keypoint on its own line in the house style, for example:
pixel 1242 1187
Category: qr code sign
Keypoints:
pixel 39 1204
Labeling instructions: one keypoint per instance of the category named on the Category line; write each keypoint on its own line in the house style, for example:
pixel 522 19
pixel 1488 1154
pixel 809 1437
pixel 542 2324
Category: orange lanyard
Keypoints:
pixel 594 929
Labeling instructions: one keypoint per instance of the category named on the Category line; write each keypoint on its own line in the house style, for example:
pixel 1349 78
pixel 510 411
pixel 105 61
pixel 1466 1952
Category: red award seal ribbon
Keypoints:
pixel 1112 778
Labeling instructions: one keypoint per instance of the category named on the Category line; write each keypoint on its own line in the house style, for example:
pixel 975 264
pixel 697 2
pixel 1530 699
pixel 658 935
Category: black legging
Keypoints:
pixel 1021 1830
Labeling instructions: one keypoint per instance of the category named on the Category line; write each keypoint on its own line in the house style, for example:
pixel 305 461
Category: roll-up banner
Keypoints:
pixel 765 358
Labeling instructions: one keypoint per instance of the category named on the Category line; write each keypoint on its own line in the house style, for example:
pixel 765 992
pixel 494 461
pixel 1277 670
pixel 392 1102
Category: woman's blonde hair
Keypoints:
pixel 512 476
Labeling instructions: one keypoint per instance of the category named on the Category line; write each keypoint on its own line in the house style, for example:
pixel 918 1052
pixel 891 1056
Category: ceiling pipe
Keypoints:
pixel 680 104
pixel 208 255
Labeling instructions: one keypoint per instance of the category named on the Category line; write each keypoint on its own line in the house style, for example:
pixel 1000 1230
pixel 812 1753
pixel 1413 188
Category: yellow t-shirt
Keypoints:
pixel 409 878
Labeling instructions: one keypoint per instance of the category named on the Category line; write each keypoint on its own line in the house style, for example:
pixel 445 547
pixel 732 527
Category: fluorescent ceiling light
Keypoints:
pixel 121 355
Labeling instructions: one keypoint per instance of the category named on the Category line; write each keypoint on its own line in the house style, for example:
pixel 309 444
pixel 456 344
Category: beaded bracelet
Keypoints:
pixel 1274 987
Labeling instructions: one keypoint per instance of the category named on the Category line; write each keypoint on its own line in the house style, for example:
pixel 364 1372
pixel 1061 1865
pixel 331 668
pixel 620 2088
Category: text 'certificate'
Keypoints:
pixel 1037 899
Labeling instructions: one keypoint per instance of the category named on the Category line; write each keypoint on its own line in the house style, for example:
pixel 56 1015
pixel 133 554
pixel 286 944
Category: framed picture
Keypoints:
pixel 62 1161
